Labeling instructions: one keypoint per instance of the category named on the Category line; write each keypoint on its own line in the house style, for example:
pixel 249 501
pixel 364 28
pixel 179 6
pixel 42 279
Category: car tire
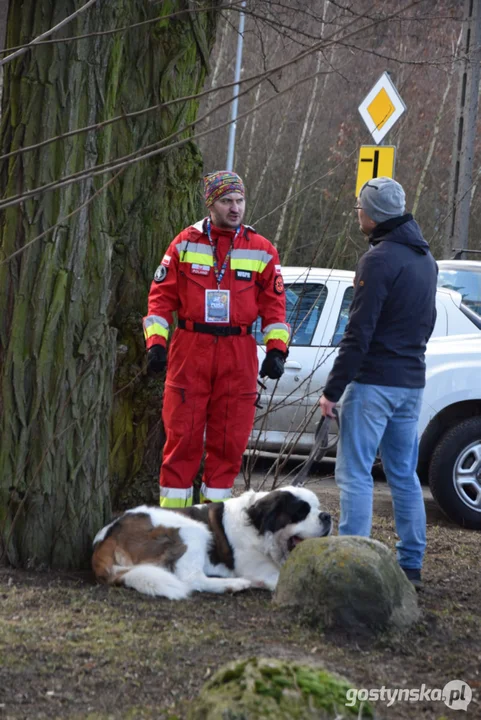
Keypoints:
pixel 455 473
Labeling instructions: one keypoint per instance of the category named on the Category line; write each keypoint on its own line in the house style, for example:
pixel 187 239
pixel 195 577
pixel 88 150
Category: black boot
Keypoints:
pixel 414 577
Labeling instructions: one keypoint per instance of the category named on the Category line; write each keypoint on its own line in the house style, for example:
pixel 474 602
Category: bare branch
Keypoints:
pixel 63 219
pixel 258 76
pixel 148 151
pixel 124 28
pixel 39 38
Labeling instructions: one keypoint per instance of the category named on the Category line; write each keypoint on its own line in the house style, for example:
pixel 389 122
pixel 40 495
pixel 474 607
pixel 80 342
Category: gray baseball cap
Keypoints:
pixel 382 198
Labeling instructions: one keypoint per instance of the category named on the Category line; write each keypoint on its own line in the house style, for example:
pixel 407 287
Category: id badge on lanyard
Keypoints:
pixel 217 302
pixel 217 306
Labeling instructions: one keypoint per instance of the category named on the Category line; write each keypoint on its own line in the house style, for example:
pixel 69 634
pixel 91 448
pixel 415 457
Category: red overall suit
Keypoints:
pixel 210 386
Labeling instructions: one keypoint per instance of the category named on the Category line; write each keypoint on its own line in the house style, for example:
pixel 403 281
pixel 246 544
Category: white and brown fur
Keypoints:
pixel 220 547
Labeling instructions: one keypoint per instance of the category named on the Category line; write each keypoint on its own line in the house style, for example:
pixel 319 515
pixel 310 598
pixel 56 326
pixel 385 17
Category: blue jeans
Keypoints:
pixel 372 417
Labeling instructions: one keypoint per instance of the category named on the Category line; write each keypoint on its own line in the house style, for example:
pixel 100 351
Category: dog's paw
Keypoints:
pixel 238 584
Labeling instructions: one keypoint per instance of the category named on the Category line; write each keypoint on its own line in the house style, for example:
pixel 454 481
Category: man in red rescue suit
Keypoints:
pixel 218 276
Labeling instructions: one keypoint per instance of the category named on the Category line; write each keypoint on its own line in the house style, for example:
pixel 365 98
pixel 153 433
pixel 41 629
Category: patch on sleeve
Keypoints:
pixel 278 285
pixel 166 260
pixel 278 269
pixel 160 274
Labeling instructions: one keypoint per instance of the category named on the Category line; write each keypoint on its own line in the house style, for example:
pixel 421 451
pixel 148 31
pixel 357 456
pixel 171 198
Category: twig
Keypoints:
pixel 39 38
pixel 63 219
pixel 100 33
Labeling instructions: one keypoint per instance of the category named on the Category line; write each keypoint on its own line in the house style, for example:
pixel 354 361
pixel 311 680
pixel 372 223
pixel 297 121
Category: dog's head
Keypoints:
pixel 287 516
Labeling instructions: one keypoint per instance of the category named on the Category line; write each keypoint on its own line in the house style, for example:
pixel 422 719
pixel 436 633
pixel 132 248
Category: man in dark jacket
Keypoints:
pixel 381 368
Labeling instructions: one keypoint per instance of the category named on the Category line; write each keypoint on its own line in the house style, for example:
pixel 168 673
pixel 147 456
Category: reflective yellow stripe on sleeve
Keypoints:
pixel 277 335
pixel 156 329
pixel 156 325
pixel 276 331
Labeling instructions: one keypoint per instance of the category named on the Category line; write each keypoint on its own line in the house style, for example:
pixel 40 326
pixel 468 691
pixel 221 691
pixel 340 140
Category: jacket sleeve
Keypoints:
pixel 163 299
pixel 372 284
pixel 272 304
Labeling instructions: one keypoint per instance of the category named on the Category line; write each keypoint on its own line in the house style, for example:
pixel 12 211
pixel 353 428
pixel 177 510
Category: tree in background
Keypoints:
pixel 299 152
pixel 72 300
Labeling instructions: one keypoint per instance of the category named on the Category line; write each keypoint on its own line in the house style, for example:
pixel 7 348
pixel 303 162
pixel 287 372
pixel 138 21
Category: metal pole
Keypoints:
pixel 465 130
pixel 235 91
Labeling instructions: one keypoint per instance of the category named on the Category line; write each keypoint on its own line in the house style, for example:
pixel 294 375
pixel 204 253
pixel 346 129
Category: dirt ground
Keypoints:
pixel 72 649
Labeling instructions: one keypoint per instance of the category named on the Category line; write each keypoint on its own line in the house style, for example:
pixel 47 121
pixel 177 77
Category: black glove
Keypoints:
pixel 273 365
pixel 156 359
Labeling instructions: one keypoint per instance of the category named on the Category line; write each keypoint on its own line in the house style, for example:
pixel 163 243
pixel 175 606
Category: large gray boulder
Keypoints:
pixel 258 689
pixel 347 582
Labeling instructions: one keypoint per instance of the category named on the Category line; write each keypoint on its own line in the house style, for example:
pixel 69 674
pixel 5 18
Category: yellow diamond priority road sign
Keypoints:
pixel 381 108
pixel 374 162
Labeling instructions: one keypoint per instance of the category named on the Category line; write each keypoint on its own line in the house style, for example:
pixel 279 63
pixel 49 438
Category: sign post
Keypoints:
pixel 381 109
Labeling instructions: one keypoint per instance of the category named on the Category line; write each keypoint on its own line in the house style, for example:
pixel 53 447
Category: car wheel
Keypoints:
pixel 455 473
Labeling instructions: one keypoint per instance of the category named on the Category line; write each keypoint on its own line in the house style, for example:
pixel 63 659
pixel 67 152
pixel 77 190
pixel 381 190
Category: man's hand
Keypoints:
pixel 327 407
pixel 273 365
pixel 156 359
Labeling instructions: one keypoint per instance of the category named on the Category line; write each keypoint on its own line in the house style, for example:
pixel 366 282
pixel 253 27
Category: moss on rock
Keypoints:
pixel 263 688
pixel 348 582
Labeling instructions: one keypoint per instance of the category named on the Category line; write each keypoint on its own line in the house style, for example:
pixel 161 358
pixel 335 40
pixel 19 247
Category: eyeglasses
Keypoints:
pixel 357 207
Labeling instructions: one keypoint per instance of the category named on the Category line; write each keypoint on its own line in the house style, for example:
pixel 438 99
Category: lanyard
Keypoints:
pixel 220 275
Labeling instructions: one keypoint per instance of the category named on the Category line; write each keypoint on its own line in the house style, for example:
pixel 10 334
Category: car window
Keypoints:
pixel 304 304
pixel 466 282
pixel 343 316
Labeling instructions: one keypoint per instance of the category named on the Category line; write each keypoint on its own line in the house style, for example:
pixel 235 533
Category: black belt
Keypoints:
pixel 220 330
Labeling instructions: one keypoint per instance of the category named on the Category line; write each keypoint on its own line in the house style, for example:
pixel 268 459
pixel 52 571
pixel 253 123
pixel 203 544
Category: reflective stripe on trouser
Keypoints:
pixel 210 391
pixel 175 498
pixel 213 494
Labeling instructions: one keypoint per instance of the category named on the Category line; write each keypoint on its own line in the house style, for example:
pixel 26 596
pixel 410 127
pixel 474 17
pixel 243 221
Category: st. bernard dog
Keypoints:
pixel 217 547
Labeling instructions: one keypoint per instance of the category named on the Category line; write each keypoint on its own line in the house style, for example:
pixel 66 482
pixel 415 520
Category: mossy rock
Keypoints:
pixel 259 689
pixel 347 582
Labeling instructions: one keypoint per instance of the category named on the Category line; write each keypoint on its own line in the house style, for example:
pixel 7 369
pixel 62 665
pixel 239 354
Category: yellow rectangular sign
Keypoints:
pixel 375 161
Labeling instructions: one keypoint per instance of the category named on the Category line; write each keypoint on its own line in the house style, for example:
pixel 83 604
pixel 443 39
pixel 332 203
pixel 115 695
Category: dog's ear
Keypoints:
pixel 276 510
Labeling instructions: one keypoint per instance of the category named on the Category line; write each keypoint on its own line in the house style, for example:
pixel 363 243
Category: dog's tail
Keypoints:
pixel 153 580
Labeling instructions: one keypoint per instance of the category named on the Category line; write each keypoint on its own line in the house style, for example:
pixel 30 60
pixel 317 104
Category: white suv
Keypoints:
pixel 450 425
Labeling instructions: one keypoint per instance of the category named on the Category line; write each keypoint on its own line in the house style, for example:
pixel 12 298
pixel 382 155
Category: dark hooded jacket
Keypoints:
pixel 392 314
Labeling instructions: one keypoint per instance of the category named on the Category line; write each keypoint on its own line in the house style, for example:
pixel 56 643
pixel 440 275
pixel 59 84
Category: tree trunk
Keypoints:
pixel 71 303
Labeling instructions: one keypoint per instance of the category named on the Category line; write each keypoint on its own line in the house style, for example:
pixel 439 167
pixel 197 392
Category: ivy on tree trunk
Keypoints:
pixel 71 303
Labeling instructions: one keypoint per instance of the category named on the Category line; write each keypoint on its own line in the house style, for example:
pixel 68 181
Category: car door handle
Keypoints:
pixel 293 365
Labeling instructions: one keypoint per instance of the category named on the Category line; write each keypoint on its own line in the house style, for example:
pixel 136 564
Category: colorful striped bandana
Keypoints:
pixel 217 184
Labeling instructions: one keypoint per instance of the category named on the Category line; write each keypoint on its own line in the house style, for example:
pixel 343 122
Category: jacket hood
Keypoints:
pixel 403 230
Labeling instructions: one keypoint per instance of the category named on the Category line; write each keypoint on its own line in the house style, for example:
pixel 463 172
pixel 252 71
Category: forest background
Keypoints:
pixel 298 154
